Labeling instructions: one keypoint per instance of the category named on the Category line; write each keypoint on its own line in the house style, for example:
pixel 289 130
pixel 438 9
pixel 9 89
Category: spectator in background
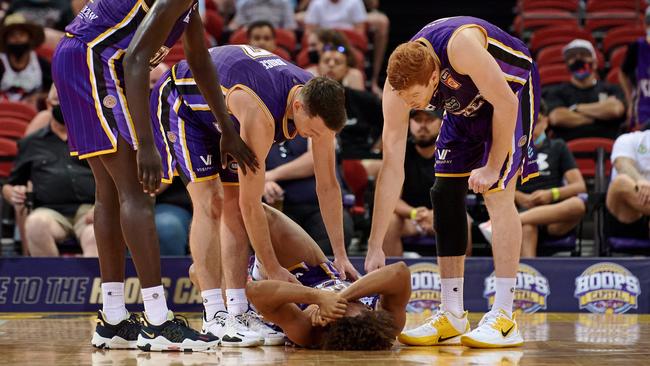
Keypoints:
pixel 54 14
pixel 585 106
pixel 331 53
pixel 291 187
pixel 413 214
pixel 173 217
pixel 336 14
pixel 157 73
pixel 277 12
pixel 635 79
pixel 552 204
pixel 62 195
pixel 23 75
pixel 628 196
pixel 262 34
pixel 378 24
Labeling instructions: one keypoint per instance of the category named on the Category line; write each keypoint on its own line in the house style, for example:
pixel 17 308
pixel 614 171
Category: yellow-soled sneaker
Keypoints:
pixel 496 330
pixel 441 329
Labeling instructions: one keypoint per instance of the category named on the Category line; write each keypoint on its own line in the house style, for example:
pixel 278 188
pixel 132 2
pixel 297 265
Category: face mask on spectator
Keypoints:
pixel 313 57
pixel 580 69
pixel 540 139
pixel 58 114
pixel 18 49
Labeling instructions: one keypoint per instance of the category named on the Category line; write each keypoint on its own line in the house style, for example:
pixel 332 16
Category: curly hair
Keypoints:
pixel 368 331
pixel 410 64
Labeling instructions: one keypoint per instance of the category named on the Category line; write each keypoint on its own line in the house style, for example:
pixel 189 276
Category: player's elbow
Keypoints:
pixel 135 61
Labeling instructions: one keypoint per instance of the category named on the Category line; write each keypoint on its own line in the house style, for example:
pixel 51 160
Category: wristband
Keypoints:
pixel 413 214
pixel 555 193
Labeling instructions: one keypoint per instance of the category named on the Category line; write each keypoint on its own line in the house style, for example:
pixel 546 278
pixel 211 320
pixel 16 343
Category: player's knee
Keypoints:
pixel 450 217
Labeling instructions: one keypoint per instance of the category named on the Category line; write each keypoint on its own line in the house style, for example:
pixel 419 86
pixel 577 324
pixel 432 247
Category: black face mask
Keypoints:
pixel 58 114
pixel 313 57
pixel 18 50
pixel 580 69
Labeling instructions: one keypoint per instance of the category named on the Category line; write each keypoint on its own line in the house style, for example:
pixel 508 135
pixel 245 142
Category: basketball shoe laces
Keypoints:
pixel 131 328
pixel 438 318
pixel 254 322
pixel 236 322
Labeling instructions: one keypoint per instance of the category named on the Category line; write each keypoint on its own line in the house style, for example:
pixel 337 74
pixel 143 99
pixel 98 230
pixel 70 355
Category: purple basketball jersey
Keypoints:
pixel 268 77
pixel 112 24
pixel 457 93
pixel 641 113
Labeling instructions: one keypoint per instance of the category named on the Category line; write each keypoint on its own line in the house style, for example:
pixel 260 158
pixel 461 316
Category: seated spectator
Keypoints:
pixel 62 195
pixel 331 52
pixel 413 214
pixel 55 14
pixel 585 106
pixel 44 117
pixel 291 187
pixel 23 75
pixel 336 14
pixel 378 24
pixel 277 12
pixel 262 34
pixel 360 138
pixel 173 217
pixel 635 79
pixel 628 196
pixel 551 204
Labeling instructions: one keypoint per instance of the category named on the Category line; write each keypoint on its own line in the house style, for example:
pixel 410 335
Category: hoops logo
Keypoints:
pixel 607 288
pixel 425 288
pixel 532 289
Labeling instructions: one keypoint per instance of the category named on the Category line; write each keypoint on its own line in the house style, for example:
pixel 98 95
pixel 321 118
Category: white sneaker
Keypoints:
pixel 255 323
pixel 443 328
pixel 496 330
pixel 486 230
pixel 231 331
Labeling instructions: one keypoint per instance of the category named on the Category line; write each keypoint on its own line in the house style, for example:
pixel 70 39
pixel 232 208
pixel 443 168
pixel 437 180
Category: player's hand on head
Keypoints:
pixel 481 179
pixel 331 305
pixel 346 269
pixel 282 274
pixel 375 259
pixel 232 145
pixel 149 168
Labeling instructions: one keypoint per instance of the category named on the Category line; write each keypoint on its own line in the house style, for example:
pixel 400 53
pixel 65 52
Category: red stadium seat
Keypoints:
pixel 45 51
pixel 585 148
pixel 603 21
pixel 175 55
pixel 612 76
pixel 615 5
pixel 617 57
pixel 621 37
pixel 541 19
pixel 12 128
pixel 17 110
pixel 213 24
pixel 557 35
pixel 553 74
pixel 238 37
pixel 552 55
pixel 566 5
pixel 357 179
pixel 8 152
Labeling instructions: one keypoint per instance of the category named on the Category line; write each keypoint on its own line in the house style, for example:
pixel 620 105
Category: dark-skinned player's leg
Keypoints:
pixel 160 331
pixel 116 329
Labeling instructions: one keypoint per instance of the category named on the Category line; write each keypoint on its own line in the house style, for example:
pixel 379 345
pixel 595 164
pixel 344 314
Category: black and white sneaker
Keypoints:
pixel 231 330
pixel 173 335
pixel 123 335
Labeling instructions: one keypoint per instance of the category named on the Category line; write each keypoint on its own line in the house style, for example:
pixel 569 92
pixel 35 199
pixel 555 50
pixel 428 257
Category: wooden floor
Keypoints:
pixel 551 339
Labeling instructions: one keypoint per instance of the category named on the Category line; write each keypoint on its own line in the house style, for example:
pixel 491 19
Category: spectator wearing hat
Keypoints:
pixel 584 106
pixel 413 215
pixel 23 75
pixel 635 79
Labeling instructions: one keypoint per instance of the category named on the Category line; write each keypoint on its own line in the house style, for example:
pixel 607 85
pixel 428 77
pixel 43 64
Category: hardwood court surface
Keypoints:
pixel 551 339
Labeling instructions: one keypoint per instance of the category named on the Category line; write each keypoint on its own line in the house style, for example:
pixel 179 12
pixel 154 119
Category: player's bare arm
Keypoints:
pixel 257 133
pixel 391 175
pixel 207 80
pixel 468 55
pixel 330 201
pixel 151 34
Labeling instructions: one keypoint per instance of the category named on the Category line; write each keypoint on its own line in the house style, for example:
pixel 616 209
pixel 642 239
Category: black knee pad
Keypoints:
pixel 449 215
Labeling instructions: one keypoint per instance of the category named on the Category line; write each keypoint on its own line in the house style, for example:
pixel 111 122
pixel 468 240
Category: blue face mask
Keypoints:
pixel 540 139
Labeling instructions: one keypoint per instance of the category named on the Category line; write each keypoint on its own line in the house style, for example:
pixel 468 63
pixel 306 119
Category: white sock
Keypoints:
pixel 113 302
pixel 213 302
pixel 452 296
pixel 236 301
pixel 155 305
pixel 505 294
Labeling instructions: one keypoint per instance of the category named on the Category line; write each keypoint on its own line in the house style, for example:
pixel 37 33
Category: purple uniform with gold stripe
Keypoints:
pixel 466 134
pixel 89 75
pixel 187 136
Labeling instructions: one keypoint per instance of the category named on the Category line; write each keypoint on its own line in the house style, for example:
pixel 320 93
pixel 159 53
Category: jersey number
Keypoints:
pixel 254 52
